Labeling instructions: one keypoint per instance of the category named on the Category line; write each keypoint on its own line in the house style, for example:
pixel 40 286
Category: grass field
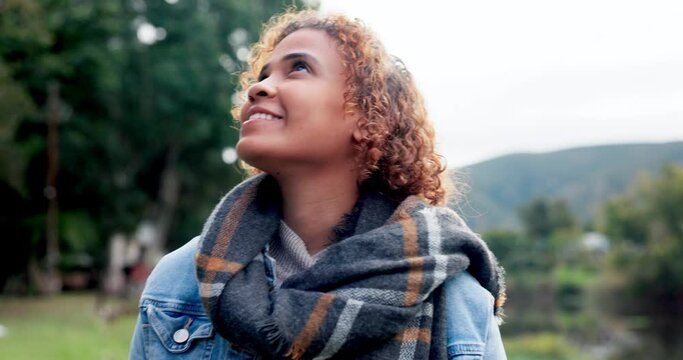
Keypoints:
pixel 63 327
pixel 68 327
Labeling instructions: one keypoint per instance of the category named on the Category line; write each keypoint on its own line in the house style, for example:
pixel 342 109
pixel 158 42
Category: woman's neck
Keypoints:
pixel 314 204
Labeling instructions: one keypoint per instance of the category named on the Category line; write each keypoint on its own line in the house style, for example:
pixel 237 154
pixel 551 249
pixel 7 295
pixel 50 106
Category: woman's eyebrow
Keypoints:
pixel 300 56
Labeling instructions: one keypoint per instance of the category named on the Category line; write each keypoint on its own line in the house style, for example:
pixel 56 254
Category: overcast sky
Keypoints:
pixel 529 76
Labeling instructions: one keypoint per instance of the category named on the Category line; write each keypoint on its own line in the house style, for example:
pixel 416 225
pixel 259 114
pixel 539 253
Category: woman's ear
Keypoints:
pixel 357 134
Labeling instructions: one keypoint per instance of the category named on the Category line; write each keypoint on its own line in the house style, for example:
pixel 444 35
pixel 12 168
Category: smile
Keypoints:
pixel 263 116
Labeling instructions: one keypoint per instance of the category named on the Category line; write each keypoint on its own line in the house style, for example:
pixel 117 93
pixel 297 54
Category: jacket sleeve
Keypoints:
pixel 472 328
pixel 137 350
pixel 494 342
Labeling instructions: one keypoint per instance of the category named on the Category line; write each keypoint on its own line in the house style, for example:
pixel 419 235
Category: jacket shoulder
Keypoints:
pixel 174 277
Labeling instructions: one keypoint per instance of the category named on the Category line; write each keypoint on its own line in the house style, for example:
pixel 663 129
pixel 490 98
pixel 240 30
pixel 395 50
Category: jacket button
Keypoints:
pixel 181 335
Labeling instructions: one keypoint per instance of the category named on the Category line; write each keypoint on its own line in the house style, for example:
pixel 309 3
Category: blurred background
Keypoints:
pixel 562 125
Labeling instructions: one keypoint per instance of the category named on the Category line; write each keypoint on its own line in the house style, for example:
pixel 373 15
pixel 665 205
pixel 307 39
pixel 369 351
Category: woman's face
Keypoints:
pixel 295 115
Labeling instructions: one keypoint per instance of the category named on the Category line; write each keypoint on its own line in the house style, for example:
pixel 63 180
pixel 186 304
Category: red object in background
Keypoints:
pixel 139 273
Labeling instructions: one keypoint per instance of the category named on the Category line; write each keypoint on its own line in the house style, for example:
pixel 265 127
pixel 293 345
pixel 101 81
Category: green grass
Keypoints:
pixel 541 346
pixel 64 327
pixel 68 327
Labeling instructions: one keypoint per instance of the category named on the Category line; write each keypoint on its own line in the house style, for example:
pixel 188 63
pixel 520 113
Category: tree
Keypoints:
pixel 645 269
pixel 542 217
pixel 145 93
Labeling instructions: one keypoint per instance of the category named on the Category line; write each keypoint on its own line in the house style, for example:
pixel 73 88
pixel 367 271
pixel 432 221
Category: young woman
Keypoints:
pixel 338 246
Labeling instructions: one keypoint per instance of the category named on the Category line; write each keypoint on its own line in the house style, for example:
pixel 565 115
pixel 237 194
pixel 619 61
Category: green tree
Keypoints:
pixel 542 217
pixel 645 269
pixel 536 260
pixel 145 91
pixel 549 228
pixel 23 34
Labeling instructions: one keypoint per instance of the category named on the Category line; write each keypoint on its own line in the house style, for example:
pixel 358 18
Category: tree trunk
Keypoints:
pixel 169 190
pixel 51 281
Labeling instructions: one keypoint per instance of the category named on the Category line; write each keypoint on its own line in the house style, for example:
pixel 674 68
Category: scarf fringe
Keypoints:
pixel 296 353
pixel 273 335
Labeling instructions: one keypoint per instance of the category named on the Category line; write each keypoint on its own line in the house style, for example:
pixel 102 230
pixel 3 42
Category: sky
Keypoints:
pixel 534 76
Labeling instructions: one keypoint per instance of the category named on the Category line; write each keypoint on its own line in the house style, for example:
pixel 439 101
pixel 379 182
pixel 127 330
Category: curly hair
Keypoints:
pixel 396 153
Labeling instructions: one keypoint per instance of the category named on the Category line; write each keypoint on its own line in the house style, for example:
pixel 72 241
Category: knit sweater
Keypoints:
pixel 290 254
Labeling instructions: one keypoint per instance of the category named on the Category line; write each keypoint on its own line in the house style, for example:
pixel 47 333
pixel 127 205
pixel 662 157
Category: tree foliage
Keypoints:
pixel 646 271
pixel 542 217
pixel 145 90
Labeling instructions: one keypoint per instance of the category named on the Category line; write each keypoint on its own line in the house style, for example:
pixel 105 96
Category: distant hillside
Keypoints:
pixel 586 177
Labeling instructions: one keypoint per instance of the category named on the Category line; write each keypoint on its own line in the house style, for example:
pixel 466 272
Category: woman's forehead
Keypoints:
pixel 313 42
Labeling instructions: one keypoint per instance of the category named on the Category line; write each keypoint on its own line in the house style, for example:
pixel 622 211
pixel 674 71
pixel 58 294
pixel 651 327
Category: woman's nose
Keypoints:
pixel 262 89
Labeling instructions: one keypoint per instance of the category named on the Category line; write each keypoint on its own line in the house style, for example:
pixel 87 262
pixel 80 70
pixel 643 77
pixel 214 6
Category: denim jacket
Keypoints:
pixel 172 323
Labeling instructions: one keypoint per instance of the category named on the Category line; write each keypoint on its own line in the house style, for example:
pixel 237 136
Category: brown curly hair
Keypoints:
pixel 396 153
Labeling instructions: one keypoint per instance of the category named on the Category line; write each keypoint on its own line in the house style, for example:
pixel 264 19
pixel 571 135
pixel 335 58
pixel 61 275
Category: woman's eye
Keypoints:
pixel 262 77
pixel 299 66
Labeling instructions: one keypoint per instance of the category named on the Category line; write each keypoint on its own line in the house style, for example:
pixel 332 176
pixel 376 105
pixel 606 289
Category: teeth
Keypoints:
pixel 262 116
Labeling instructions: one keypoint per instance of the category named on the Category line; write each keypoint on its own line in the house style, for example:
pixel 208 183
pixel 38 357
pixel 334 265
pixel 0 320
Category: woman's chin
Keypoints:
pixel 248 148
pixel 253 154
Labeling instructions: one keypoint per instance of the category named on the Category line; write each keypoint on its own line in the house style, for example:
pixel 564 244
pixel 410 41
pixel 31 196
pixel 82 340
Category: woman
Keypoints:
pixel 337 246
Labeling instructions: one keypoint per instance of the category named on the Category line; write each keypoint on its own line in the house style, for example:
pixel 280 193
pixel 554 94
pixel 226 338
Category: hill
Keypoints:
pixel 585 177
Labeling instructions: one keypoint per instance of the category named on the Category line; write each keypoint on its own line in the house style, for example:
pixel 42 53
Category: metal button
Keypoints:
pixel 181 335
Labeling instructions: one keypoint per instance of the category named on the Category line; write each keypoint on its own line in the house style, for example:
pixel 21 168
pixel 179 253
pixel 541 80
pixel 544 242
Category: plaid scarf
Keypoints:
pixel 374 295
